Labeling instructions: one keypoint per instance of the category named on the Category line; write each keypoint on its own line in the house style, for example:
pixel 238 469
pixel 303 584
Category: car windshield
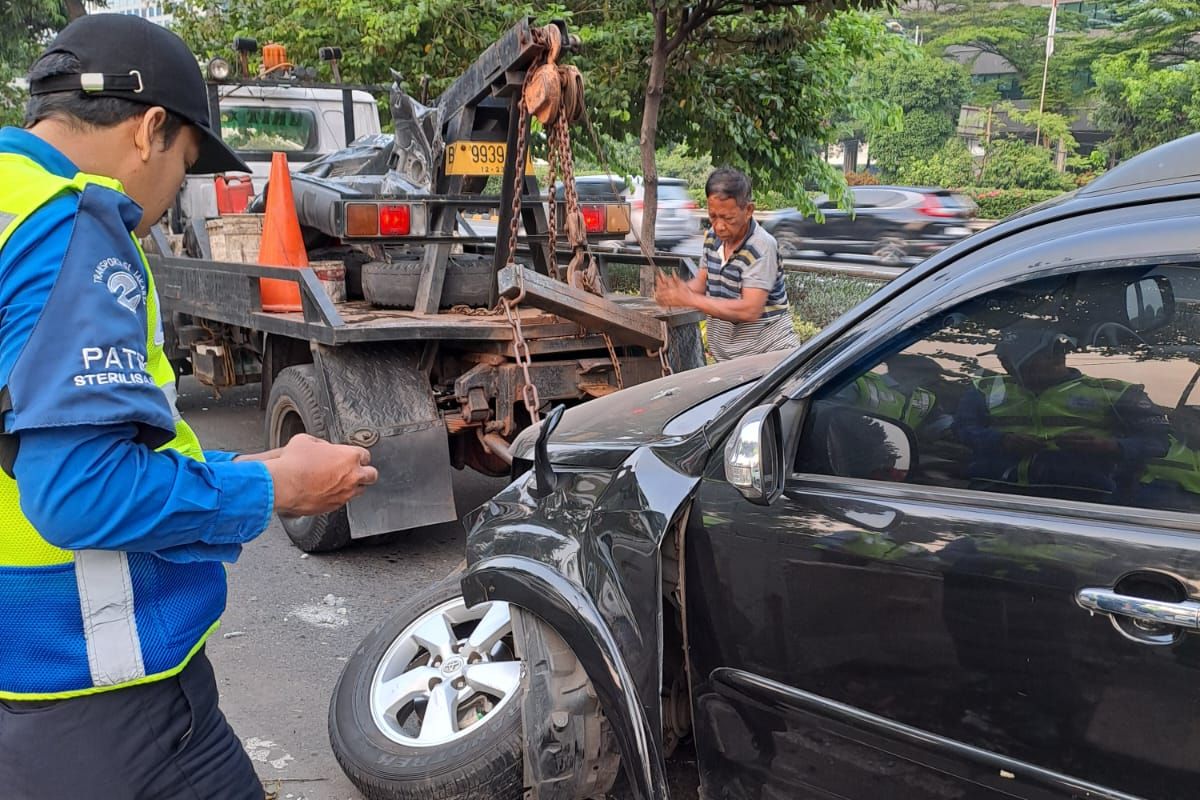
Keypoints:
pixel 251 129
pixel 674 192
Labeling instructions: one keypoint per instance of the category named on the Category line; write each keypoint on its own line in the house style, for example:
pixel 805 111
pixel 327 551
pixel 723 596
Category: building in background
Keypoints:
pixel 153 10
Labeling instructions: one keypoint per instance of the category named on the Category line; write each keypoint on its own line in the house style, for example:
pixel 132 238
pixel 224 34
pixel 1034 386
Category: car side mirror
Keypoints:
pixel 754 456
pixel 1149 303
pixel 864 446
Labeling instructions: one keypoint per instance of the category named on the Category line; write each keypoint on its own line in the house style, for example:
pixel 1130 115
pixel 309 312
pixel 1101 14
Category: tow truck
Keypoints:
pixel 447 344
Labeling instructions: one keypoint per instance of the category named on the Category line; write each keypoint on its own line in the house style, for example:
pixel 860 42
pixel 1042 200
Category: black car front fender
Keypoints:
pixel 566 608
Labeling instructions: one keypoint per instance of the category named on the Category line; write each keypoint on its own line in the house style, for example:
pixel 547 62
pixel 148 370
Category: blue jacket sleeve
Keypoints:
pixel 93 487
pixel 85 470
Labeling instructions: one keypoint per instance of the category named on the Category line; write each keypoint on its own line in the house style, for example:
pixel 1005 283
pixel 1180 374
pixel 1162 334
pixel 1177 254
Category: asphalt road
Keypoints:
pixel 292 620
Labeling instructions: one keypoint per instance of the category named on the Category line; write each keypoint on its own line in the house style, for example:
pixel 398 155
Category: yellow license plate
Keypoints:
pixel 478 158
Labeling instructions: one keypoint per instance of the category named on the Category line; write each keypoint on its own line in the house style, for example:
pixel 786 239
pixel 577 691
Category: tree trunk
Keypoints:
pixel 648 141
pixel 75 9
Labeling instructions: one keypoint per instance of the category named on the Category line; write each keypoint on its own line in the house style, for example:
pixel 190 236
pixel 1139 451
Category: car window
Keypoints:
pixel 257 129
pixel 1078 387
pixel 593 188
pixel 673 192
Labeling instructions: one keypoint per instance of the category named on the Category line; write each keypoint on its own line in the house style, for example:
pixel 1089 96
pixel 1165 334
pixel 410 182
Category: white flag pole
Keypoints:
pixel 1046 66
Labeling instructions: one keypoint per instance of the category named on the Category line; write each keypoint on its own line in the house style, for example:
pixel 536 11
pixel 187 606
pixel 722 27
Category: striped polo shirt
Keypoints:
pixel 754 265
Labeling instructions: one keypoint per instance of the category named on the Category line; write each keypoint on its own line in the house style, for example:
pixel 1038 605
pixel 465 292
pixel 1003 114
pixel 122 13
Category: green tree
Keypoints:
pixel 929 90
pixel 756 84
pixel 952 166
pixel 1166 29
pixel 1015 32
pixel 1015 164
pixel 1144 106
pixel 28 26
pixel 922 133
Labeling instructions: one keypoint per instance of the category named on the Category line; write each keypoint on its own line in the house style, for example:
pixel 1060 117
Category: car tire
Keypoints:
pixel 382 755
pixel 686 348
pixel 890 251
pixel 292 408
pixel 790 242
pixel 393 284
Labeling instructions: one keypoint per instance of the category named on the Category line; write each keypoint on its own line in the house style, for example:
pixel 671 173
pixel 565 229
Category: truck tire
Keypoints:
pixel 393 284
pixel 291 409
pixel 378 744
pixel 686 349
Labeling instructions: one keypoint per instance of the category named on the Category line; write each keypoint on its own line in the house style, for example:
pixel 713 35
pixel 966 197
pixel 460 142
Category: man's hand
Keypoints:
pixel 1022 444
pixel 313 476
pixel 1090 443
pixel 670 291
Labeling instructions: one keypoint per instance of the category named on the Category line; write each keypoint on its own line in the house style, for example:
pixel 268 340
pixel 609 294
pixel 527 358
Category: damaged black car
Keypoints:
pixel 947 548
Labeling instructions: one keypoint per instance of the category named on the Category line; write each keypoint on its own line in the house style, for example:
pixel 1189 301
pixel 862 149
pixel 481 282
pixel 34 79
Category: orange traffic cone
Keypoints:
pixel 282 245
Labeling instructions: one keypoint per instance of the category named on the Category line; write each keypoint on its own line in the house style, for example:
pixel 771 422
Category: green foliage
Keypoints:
pixel 28 26
pixel 923 133
pixel 1015 164
pixel 1144 105
pixel 818 300
pixel 780 73
pixel 1001 203
pixel 1014 31
pixel 951 165
pixel 757 91
pixel 1054 128
pixel 928 90
pixel 1166 29
pixel 917 80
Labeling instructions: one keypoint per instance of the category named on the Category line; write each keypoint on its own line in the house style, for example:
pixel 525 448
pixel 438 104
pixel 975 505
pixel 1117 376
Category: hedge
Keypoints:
pixel 1001 203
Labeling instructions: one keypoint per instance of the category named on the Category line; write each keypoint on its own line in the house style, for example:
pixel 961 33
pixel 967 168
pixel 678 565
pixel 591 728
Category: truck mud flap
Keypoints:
pixel 380 400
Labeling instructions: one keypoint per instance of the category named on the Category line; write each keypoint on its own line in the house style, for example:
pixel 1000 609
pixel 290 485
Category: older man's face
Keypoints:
pixel 729 221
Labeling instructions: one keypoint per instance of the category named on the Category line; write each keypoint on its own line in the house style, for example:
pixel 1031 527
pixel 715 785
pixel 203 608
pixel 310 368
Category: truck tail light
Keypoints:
pixel 639 204
pixel 618 218
pixel 379 219
pixel 594 218
pixel 362 219
pixel 395 220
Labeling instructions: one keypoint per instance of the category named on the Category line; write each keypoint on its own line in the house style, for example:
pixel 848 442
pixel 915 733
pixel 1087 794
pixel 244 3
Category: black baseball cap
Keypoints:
pixel 134 59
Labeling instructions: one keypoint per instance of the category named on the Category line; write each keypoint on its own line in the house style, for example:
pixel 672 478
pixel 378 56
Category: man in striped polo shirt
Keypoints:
pixel 739 284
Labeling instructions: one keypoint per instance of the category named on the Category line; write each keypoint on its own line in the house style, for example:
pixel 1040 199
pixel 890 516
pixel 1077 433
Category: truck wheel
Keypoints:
pixel 291 409
pixel 429 707
pixel 686 350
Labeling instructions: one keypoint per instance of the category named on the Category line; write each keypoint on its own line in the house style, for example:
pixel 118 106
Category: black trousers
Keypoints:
pixel 165 740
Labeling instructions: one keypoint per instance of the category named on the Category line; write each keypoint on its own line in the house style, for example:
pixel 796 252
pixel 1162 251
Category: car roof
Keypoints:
pixel 1173 162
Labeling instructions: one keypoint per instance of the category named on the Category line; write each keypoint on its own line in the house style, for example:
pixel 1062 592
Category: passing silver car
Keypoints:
pixel 676 221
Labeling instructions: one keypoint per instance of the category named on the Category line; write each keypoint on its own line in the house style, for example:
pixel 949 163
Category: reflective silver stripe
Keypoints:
pixel 997 394
pixel 5 221
pixel 109 626
pixel 172 399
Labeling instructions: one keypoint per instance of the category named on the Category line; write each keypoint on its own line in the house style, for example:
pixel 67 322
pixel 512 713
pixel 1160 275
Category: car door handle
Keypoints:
pixel 1159 612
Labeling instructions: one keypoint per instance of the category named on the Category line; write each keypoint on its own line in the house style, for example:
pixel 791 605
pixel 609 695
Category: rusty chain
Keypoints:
pixel 529 392
pixel 612 354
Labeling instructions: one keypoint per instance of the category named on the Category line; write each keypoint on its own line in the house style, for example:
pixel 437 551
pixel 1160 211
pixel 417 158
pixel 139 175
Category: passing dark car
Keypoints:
pixel 895 224
pixel 948 548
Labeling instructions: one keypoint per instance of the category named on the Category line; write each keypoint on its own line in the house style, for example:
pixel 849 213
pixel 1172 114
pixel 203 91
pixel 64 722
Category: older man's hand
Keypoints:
pixel 670 291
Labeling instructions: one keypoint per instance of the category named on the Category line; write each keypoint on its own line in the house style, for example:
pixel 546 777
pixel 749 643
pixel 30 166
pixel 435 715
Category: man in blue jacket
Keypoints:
pixel 113 522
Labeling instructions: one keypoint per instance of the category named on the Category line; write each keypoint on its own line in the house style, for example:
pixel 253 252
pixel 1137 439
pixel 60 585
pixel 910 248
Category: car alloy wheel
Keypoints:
pixel 890 251
pixel 444 674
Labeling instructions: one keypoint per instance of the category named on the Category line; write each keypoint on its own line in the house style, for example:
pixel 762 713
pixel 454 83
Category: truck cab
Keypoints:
pixel 285 113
